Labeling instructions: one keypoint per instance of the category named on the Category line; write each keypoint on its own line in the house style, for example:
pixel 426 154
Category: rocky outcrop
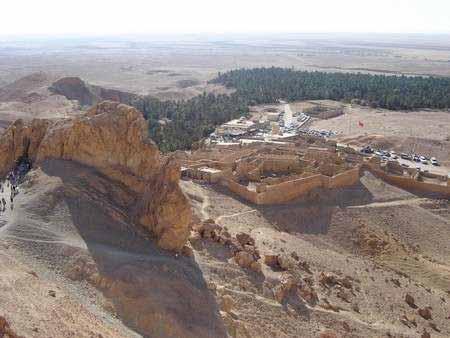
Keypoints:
pixel 112 138
pixel 164 209
pixel 74 88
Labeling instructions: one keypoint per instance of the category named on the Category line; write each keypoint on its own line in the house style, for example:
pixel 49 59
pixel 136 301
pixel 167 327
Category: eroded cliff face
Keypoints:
pixel 112 138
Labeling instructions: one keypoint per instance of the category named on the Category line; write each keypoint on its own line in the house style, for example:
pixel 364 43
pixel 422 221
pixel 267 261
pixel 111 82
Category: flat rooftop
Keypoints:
pixel 209 170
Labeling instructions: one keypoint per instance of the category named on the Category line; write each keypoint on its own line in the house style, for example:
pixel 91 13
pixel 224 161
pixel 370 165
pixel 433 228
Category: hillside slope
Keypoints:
pixel 74 264
pixel 367 261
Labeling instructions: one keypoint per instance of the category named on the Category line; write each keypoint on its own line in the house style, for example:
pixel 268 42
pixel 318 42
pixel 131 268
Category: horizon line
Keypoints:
pixel 192 34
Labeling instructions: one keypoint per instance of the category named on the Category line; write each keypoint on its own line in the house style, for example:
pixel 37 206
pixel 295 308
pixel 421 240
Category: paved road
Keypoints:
pixel 287 116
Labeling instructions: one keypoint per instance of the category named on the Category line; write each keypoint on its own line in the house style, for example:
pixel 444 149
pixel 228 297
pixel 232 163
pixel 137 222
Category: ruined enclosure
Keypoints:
pixel 277 174
pixel 273 174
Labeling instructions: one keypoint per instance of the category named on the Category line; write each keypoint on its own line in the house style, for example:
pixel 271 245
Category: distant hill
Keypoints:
pixel 26 89
pixel 75 88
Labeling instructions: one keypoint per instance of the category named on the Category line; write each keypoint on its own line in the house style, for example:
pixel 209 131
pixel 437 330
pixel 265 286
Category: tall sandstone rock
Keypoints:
pixel 113 138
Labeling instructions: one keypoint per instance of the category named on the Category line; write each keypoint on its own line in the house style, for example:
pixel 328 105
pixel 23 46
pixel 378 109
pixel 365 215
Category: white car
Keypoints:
pixel 434 162
pixel 424 161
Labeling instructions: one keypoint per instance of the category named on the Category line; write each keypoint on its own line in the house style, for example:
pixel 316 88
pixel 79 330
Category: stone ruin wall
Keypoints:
pixel 290 190
pixel 240 190
pixel 409 183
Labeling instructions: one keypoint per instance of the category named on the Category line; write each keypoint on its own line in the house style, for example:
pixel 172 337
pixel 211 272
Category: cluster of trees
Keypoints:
pixel 266 85
pixel 180 124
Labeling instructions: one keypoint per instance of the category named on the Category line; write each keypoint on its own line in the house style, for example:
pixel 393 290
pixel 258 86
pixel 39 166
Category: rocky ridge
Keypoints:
pixel 74 88
pixel 112 138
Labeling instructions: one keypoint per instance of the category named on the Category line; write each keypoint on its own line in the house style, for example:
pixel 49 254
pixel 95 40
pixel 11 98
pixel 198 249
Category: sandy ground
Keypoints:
pixel 424 132
pixel 75 266
pixel 433 125
pixel 415 259
pixel 157 65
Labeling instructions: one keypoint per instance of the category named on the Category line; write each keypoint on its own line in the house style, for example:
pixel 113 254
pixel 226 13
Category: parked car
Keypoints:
pixel 405 156
pixel 424 161
pixel 367 150
pixel 434 162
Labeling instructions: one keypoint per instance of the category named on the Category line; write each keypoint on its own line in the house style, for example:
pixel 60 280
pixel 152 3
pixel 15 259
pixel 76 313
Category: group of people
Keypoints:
pixel 11 182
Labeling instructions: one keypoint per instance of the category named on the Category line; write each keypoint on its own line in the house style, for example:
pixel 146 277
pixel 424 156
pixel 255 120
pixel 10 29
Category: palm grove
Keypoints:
pixel 191 120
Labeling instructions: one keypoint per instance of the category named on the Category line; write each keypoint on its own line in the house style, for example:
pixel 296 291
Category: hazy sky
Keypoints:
pixel 21 17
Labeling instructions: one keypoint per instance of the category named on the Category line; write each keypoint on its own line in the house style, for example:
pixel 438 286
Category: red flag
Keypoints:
pixel 360 124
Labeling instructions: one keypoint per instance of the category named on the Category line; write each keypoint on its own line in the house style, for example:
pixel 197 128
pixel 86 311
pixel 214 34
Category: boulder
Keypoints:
pixel 244 259
pixel 425 313
pixel 287 283
pixel 245 239
pixel 307 293
pixel 209 229
pixel 272 261
pixel 285 262
pixel 425 334
pixel 256 266
pixel 187 251
pixel 410 301
pixel 328 279
pixel 252 250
